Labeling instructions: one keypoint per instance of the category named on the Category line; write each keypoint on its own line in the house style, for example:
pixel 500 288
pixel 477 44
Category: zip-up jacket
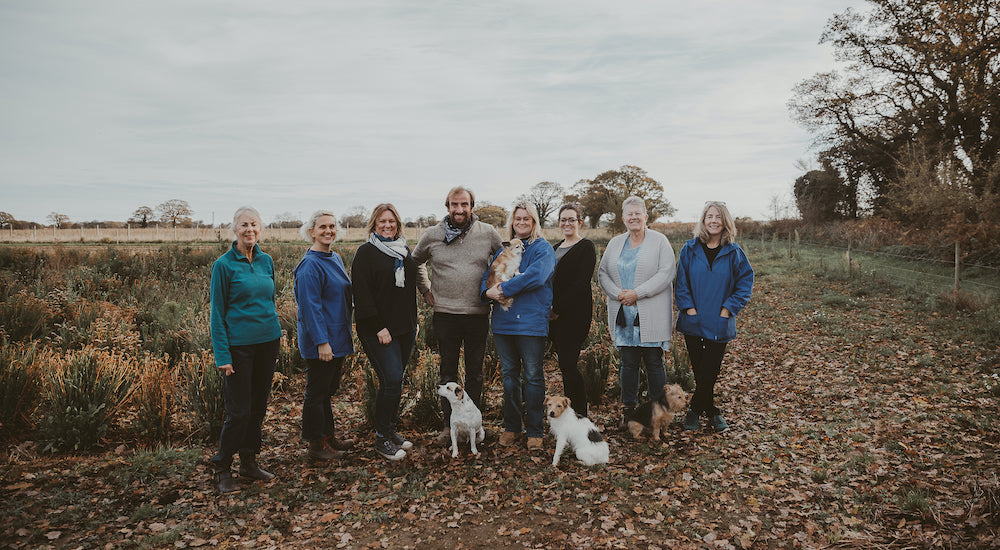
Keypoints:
pixel 242 302
pixel 728 283
pixel 531 291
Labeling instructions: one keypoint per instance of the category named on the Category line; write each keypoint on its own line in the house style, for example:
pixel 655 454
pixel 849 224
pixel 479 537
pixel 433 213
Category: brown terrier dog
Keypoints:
pixel 658 414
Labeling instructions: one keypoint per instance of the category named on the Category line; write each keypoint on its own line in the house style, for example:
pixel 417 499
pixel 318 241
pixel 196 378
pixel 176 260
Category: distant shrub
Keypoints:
pixel 84 397
pixel 204 400
pixel 156 399
pixel 24 316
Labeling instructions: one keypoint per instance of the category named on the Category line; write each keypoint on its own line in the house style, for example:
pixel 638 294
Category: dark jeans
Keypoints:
pixel 246 392
pixel 519 352
pixel 389 362
pixel 567 347
pixel 656 377
pixel 452 330
pixel 322 381
pixel 706 362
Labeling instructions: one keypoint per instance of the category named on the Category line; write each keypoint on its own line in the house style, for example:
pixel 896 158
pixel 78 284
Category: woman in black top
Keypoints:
pixel 572 302
pixel 385 315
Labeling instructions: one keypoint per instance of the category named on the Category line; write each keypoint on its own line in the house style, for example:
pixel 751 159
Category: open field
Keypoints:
pixel 864 416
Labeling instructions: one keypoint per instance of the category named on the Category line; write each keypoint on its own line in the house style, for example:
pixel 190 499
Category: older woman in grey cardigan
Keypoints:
pixel 637 274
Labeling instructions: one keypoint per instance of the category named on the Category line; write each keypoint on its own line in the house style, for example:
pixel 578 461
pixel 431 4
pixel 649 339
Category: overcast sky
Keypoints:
pixel 289 106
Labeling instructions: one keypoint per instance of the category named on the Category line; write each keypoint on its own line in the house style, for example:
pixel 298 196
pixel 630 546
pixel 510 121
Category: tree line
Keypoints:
pixel 909 129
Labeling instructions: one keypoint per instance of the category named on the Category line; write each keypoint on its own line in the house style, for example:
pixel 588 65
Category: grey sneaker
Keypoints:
pixel 719 423
pixel 400 442
pixel 692 422
pixel 388 449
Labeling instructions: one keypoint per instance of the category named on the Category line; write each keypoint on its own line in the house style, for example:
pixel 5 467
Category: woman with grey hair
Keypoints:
pixel 324 304
pixel 245 337
pixel 637 275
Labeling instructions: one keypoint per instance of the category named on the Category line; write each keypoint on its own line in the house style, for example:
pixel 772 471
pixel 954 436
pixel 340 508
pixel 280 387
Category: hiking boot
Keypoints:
pixel 389 450
pixel 719 424
pixel 250 469
pixel 319 450
pixel 508 439
pixel 535 444
pixel 339 444
pixel 400 442
pixel 692 422
pixel 224 481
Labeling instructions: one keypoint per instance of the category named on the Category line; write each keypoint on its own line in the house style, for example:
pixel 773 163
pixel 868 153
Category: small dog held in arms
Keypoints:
pixel 659 413
pixel 576 430
pixel 466 420
pixel 504 268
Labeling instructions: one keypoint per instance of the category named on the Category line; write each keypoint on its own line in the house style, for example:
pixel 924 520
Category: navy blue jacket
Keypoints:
pixel 531 291
pixel 323 297
pixel 727 283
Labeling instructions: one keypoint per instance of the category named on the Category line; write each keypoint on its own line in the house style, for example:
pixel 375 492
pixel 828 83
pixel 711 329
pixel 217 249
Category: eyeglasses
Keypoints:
pixel 568 220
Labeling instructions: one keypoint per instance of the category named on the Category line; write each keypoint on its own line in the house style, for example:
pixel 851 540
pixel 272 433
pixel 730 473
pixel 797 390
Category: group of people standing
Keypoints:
pixel 552 300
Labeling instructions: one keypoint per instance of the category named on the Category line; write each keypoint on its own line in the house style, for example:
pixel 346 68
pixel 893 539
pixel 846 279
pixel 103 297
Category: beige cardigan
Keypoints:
pixel 654 283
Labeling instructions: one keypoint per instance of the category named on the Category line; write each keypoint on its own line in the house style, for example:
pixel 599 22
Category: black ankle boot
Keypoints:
pixel 224 482
pixel 250 469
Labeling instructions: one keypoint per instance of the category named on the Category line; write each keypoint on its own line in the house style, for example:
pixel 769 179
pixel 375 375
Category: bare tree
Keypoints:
pixel 58 219
pixel 356 216
pixel 175 211
pixel 141 216
pixel 546 197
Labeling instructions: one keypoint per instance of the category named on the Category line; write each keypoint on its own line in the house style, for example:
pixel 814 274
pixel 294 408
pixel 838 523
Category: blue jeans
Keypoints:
pixel 389 362
pixel 516 352
pixel 656 377
pixel 322 381
pixel 245 393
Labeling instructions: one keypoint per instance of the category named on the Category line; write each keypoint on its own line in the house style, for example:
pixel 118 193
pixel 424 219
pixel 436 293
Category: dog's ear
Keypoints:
pixel 458 393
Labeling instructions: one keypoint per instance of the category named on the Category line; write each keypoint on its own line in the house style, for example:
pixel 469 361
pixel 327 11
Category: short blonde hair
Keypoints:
pixel 536 229
pixel 253 213
pixel 377 213
pixel 728 223
pixel 311 224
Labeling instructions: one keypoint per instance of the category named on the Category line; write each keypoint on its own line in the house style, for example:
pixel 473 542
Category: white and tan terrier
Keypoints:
pixel 576 430
pixel 466 420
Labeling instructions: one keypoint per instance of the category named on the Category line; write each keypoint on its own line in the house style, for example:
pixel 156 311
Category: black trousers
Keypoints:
pixel 706 362
pixel 246 392
pixel 567 341
pixel 452 331
pixel 322 381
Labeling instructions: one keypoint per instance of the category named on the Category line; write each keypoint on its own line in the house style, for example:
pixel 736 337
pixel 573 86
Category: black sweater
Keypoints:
pixel 572 295
pixel 378 302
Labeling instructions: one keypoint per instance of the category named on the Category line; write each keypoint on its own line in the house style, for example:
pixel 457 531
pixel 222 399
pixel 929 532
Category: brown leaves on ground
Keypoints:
pixel 857 422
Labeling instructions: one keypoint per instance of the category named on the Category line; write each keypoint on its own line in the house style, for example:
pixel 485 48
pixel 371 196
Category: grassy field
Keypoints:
pixel 864 415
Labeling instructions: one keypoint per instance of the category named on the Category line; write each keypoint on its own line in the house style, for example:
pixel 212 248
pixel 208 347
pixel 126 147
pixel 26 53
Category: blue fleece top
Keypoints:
pixel 727 282
pixel 242 302
pixel 323 297
pixel 531 291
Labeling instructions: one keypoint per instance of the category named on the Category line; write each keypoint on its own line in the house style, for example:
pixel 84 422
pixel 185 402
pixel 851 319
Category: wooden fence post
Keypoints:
pixel 958 267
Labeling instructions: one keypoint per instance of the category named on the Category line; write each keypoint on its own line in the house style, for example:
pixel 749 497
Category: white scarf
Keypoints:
pixel 394 249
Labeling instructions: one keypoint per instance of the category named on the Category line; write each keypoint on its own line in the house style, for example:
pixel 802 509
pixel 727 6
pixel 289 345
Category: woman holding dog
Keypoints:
pixel 385 313
pixel 572 302
pixel 637 274
pixel 323 300
pixel 245 336
pixel 714 283
pixel 519 332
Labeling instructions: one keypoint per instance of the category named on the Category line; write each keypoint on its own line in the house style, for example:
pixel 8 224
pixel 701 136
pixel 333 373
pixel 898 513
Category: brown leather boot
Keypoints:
pixel 319 450
pixel 339 444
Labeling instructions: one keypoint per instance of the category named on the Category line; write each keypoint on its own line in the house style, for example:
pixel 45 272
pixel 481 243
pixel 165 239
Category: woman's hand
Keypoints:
pixel 495 293
pixel 628 297
pixel 325 352
pixel 725 313
pixel 226 369
pixel 692 311
pixel 384 337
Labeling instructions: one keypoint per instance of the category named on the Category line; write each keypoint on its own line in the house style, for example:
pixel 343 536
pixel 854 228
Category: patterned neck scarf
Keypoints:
pixel 395 249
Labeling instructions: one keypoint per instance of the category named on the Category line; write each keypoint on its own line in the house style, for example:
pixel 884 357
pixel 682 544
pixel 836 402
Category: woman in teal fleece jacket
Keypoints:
pixel 714 283
pixel 519 332
pixel 245 337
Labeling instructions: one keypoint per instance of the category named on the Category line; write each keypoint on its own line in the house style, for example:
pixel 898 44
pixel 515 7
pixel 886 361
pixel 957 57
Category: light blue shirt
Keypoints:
pixel 629 334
